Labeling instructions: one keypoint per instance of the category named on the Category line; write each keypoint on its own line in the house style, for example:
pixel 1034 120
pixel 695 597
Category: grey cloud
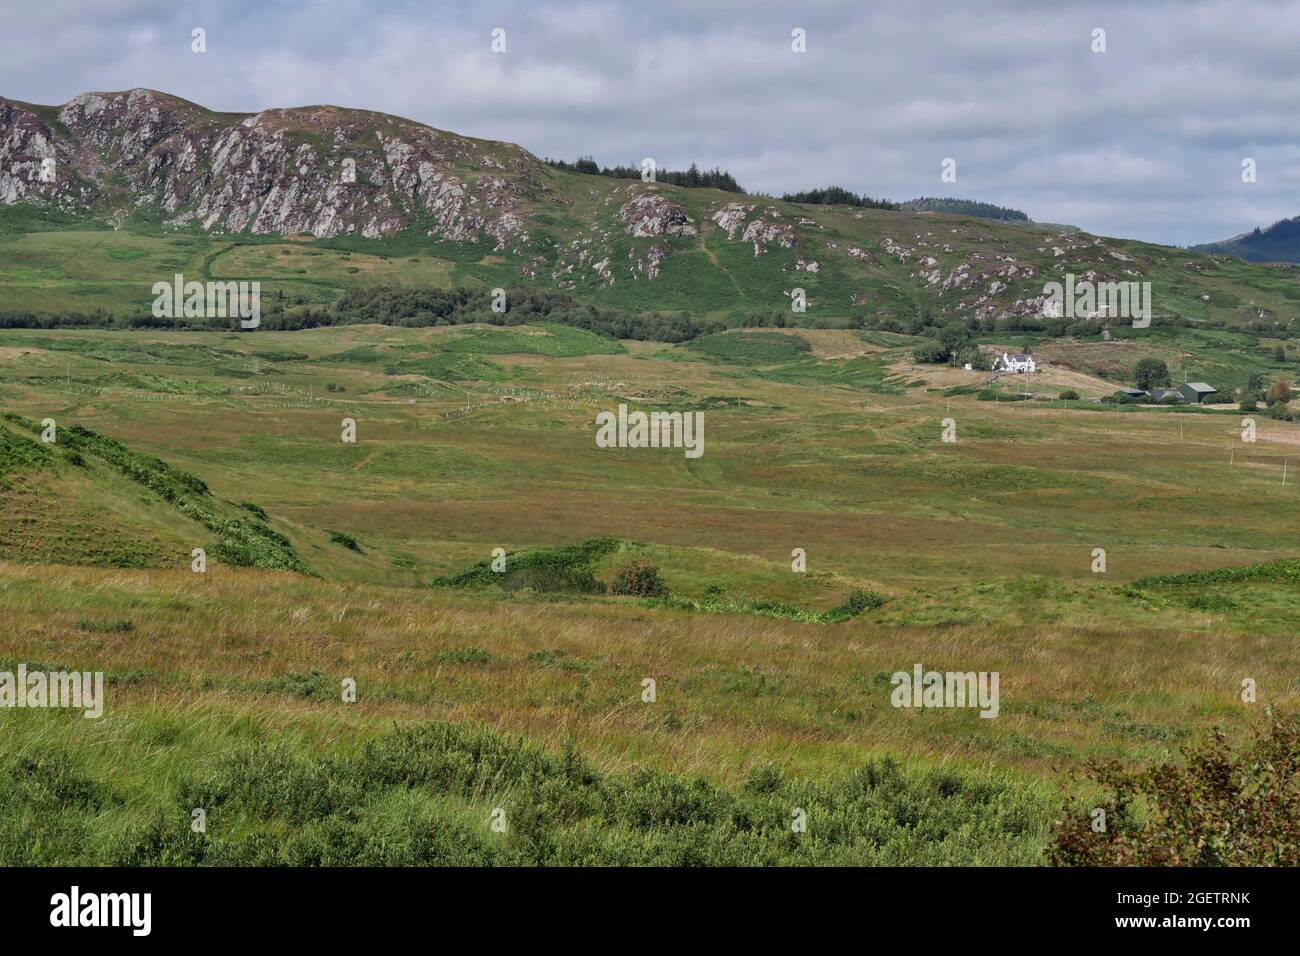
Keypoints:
pixel 1145 140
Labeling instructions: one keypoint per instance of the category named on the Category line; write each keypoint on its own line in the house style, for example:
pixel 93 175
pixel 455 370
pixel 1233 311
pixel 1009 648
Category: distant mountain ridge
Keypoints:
pixel 1279 242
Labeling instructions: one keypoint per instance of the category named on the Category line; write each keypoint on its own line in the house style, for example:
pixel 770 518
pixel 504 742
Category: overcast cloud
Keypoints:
pixel 1145 140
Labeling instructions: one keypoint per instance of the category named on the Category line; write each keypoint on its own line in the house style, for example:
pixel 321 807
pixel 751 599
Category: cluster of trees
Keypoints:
pixel 422 308
pixel 963 207
pixel 837 196
pixel 1054 327
pixel 777 319
pixel 1275 395
pixel 412 308
pixel 955 345
pixel 99 319
pixel 693 176
pixel 1151 373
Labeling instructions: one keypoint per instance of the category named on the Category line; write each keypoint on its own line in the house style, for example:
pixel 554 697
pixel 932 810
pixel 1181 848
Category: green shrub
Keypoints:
pixel 240 544
pixel 640 578
pixel 1069 395
pixel 119 626
pixel 717 602
pixel 349 542
pixel 314 686
pixel 1215 808
pixel 18 453
pixel 422 796
pixel 1283 571
pixel 548 570
pixel 858 601
pixel 464 655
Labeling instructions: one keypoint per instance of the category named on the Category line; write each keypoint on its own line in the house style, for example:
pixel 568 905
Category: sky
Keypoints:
pixel 1145 140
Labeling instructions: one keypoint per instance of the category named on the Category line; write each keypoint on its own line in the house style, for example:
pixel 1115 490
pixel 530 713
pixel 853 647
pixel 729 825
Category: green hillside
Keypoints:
pixel 436 602
pixel 1279 242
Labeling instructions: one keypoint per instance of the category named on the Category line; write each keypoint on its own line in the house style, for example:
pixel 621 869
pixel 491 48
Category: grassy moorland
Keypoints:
pixel 331 561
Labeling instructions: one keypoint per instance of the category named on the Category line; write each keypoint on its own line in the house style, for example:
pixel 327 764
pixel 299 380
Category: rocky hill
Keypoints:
pixel 318 170
pixel 493 212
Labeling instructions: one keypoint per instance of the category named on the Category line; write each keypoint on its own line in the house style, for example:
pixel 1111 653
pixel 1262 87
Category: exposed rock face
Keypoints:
pixel 327 172
pixel 318 170
pixel 650 214
pixel 27 147
pixel 649 266
pixel 125 126
pixel 731 217
pixel 763 231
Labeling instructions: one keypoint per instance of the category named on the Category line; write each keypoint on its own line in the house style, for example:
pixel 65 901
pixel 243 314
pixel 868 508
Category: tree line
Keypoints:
pixel 693 176
pixel 837 196
pixel 410 308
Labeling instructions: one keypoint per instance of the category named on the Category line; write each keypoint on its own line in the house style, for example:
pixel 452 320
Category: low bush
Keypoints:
pixel 349 542
pixel 548 570
pixel 717 602
pixel 639 578
pixel 115 626
pixel 424 796
pixel 1219 807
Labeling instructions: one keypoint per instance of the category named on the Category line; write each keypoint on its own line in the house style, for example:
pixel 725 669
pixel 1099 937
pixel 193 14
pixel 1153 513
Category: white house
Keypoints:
pixel 1015 363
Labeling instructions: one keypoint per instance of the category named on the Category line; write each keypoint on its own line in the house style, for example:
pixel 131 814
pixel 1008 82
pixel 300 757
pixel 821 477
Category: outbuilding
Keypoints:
pixel 1196 393
pixel 1136 394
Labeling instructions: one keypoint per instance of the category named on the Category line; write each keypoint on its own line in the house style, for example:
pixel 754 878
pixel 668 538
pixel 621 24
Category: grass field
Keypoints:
pixel 225 686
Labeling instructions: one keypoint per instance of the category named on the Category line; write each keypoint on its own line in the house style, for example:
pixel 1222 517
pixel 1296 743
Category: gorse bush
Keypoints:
pixel 1217 808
